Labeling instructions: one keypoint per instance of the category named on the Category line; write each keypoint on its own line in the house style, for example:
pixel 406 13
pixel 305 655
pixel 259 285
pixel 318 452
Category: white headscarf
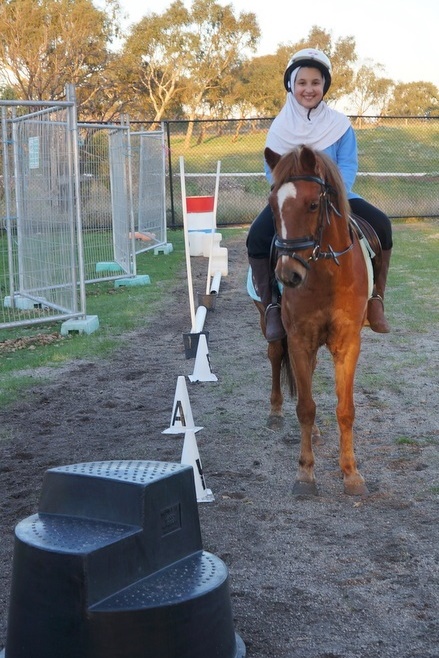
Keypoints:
pixel 296 125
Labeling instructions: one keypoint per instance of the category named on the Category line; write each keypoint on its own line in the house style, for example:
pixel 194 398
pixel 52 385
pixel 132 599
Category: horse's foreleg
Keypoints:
pixel 303 366
pixel 275 355
pixel 345 362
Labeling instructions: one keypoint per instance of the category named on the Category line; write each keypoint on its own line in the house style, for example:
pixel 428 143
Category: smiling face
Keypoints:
pixel 308 87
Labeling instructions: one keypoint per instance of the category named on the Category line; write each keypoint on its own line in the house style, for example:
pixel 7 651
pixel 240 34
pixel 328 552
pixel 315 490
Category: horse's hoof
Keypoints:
pixel 355 487
pixel 275 422
pixel 301 488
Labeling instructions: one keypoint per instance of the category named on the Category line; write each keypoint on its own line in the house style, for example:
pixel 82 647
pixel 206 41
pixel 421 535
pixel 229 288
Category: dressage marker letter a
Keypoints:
pixel 181 416
pixel 178 416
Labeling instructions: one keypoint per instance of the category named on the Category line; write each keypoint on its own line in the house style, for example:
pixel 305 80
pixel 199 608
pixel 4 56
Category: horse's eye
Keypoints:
pixel 313 206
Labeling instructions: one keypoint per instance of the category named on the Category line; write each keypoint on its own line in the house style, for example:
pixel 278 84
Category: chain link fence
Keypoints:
pixel 398 165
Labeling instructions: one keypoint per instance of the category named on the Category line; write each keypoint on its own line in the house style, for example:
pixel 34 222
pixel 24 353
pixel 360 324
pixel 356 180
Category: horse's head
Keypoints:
pixel 303 182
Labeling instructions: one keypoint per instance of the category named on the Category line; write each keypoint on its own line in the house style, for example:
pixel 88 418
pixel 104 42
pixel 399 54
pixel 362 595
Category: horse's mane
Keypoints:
pixel 291 164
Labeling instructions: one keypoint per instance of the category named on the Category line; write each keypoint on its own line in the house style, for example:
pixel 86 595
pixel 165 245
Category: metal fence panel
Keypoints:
pixel 148 168
pixel 68 212
pixel 104 207
pixel 122 219
pixel 122 197
pixel 39 264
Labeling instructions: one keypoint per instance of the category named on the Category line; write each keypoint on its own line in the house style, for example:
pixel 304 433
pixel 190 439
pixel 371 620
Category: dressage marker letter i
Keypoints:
pixel 200 472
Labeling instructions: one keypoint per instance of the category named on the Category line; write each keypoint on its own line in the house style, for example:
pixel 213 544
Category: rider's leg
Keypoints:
pixel 259 241
pixel 381 223
pixel 375 306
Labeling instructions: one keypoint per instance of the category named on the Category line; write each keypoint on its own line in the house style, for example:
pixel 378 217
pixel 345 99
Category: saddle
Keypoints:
pixel 364 230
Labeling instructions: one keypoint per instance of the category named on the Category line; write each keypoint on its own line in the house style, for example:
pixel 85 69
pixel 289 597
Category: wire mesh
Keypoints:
pixel 113 181
pixel 398 165
pixel 149 185
pixel 122 197
pixel 38 275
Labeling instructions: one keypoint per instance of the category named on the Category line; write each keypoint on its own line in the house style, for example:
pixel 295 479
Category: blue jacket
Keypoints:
pixel 344 153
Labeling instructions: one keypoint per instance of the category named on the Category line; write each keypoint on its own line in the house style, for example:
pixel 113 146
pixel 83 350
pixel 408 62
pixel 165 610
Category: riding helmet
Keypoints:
pixel 309 57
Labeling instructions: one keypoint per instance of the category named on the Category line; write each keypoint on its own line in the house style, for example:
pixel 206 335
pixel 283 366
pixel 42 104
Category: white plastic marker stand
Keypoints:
pixel 191 457
pixel 181 417
pixel 202 372
pixel 213 227
pixel 186 247
pixel 216 281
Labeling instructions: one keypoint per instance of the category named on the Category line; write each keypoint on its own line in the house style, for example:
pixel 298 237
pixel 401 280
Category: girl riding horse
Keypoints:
pixel 307 119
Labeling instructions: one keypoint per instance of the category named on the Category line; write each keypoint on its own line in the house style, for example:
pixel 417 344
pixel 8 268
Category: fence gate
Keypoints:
pixel 149 184
pixel 123 208
pixel 78 203
pixel 122 216
pixel 40 256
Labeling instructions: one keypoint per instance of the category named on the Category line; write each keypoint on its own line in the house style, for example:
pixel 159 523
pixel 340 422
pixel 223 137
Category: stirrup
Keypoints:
pixel 277 329
pixel 379 325
pixel 272 305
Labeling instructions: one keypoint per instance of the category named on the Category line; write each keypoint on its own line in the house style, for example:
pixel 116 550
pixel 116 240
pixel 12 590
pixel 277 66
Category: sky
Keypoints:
pixel 402 35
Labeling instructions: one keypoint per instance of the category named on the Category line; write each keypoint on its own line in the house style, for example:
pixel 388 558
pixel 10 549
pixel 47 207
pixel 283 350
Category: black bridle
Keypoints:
pixel 326 207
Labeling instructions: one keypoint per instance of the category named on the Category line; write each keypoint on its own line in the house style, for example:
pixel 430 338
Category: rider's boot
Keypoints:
pixel 262 275
pixel 375 306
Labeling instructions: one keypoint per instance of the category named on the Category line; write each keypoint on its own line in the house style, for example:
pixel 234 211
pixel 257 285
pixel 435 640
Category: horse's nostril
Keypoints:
pixel 290 279
pixel 295 279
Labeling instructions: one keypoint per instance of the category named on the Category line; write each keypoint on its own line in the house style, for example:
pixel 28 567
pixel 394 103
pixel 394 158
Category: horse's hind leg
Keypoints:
pixel 315 432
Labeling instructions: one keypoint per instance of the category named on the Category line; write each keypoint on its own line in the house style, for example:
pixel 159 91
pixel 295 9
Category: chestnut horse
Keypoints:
pixel 320 265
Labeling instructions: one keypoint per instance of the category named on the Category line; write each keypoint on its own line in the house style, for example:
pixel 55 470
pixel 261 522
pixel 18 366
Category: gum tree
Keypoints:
pixel 47 44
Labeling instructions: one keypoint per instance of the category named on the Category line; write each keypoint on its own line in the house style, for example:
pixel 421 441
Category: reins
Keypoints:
pixel 289 247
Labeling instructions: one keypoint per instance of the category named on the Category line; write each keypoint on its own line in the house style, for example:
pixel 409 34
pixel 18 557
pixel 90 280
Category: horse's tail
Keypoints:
pixel 287 373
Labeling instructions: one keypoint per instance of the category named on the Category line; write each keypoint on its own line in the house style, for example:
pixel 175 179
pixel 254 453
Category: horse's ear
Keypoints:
pixel 271 158
pixel 307 158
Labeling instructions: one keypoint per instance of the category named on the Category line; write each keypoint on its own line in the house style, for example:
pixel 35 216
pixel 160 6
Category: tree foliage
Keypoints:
pixel 47 44
pixel 258 87
pixel 153 60
pixel 414 99
pixel 186 55
pixel 370 91
pixel 186 62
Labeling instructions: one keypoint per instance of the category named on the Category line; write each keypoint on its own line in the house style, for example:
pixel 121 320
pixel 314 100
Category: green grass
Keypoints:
pixel 412 303
pixel 393 147
pixel 406 441
pixel 413 299
pixel 412 306
pixel 401 148
pixel 119 310
pixel 389 148
pixel 243 155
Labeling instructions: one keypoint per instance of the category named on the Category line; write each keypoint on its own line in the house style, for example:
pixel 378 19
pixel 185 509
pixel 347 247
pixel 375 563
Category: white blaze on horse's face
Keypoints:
pixel 287 191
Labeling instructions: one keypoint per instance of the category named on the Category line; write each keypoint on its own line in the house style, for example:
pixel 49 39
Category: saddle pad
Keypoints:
pixel 364 248
pixel 250 287
pixel 368 260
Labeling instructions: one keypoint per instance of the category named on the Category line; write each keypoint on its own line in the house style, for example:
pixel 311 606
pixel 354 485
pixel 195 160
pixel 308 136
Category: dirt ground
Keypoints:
pixel 325 577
